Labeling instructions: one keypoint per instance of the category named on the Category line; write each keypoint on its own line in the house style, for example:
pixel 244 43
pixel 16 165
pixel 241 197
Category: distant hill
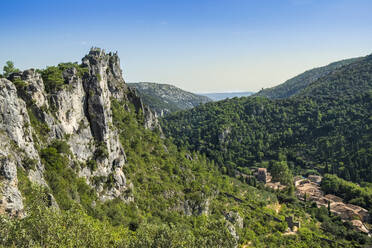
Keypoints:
pixel 165 98
pixel 345 82
pixel 298 83
pixel 225 95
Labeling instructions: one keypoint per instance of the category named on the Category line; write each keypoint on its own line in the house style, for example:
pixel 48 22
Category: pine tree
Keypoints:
pixel 329 208
pixel 9 68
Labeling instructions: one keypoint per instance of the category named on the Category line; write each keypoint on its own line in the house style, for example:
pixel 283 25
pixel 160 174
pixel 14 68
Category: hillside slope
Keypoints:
pixel 326 127
pixel 165 98
pixel 295 85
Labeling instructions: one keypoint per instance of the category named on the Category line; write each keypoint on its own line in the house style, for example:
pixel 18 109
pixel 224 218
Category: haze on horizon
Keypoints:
pixel 200 46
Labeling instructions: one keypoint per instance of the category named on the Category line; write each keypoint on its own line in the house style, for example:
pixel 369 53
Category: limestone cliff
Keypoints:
pixel 78 112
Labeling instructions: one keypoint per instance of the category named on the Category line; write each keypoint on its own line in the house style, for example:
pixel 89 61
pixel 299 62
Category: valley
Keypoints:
pixel 80 145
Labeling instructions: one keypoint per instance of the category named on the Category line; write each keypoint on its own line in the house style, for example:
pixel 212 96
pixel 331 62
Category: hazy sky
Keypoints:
pixel 198 45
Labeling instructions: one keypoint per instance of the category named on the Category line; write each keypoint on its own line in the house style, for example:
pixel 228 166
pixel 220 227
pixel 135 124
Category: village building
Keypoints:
pixel 333 198
pixel 359 226
pixel 275 186
pixel 315 178
pixel 362 213
pixel 297 180
pixel 309 189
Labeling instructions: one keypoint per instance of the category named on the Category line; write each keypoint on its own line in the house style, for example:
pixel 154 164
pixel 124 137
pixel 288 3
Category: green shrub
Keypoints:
pixel 29 163
pixel 81 70
pixel 99 78
pixel 61 146
pixel 67 188
pixel 45 227
pixel 20 84
pixel 41 128
pixel 101 151
pixel 52 78
pixel 92 164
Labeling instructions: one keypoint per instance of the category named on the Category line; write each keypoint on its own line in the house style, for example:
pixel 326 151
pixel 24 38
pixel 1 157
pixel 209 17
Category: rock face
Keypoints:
pixel 233 222
pixel 79 113
pixel 11 199
pixel 16 143
pixel 151 119
pixel 14 120
pixel 196 208
pixel 104 81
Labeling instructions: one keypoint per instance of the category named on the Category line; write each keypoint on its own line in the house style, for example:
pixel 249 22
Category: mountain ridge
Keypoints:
pixel 224 95
pixel 167 98
pixel 294 85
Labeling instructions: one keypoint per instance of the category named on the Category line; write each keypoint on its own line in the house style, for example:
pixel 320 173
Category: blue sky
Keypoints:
pixel 200 46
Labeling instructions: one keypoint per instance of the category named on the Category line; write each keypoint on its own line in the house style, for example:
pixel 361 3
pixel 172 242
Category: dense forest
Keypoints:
pixel 325 129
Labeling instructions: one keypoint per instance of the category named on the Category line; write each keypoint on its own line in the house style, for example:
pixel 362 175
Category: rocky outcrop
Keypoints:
pixel 14 120
pixel 10 197
pixel 33 90
pixel 233 222
pixel 222 137
pixel 103 82
pixel 192 207
pixel 234 218
pixel 16 144
pixel 150 118
pixel 78 112
pixel 70 110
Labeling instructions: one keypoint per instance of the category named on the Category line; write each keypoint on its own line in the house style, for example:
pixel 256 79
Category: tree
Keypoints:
pixel 281 173
pixel 329 208
pixel 326 168
pixel 9 68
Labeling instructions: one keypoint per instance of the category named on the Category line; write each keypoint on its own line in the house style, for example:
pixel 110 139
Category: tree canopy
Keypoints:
pixel 9 68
